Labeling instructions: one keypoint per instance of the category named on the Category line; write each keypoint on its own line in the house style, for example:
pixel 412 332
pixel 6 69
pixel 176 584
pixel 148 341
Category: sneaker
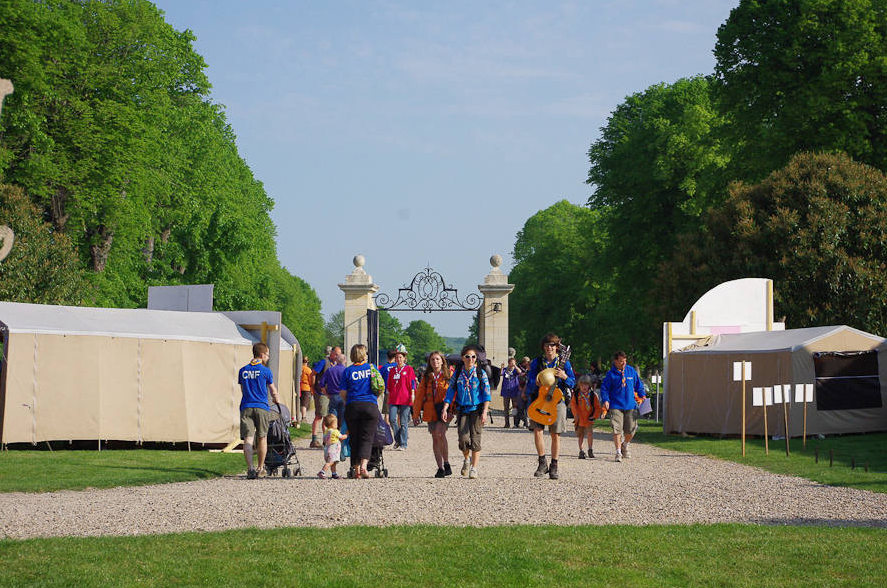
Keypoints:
pixel 315 445
pixel 552 471
pixel 625 452
pixel 321 474
pixel 396 447
pixel 440 473
pixel 466 465
pixel 472 474
pixel 251 475
pixel 581 454
pixel 335 476
pixel 448 471
pixel 542 469
pixel 618 457
pixel 261 473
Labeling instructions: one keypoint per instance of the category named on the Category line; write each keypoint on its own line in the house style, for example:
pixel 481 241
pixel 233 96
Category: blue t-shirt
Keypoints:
pixel 356 382
pixel 254 379
pixel 332 379
pixel 383 369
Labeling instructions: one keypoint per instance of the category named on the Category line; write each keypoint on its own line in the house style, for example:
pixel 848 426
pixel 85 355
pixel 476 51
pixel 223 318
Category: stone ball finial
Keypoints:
pixel 496 260
pixel 359 260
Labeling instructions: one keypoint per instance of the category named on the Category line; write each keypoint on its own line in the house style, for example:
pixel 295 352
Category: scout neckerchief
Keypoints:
pixel 466 378
pixel 436 378
pixel 255 361
pixel 585 397
pixel 621 373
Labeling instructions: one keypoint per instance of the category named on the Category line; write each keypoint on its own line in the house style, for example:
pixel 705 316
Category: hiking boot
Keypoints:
pixel 321 474
pixel 581 454
pixel 440 473
pixel 448 471
pixel 472 473
pixel 618 457
pixel 625 452
pixel 315 444
pixel 590 454
pixel 251 475
pixel 335 476
pixel 466 465
pixel 542 469
pixel 552 471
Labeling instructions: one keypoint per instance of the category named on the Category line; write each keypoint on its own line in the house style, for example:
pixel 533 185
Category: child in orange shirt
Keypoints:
pixel 586 407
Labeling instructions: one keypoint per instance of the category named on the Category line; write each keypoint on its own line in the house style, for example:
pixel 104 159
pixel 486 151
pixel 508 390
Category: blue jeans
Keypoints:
pixel 400 427
pixel 337 407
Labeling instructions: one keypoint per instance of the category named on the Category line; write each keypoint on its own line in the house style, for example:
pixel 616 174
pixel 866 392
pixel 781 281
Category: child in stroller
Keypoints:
pixel 281 452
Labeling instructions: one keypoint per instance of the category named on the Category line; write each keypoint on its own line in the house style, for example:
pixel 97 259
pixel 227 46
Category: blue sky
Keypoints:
pixel 420 133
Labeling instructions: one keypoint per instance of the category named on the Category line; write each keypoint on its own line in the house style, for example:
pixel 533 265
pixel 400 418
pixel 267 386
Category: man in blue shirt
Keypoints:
pixel 564 378
pixel 383 369
pixel 256 380
pixel 330 384
pixel 321 400
pixel 618 391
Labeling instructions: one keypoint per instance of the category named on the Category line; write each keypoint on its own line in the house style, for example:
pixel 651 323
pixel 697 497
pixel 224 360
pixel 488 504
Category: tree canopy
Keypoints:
pixel 112 135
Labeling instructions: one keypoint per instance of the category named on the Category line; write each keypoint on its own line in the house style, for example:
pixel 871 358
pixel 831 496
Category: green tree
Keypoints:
pixel 424 339
pixel 817 227
pixel 803 75
pixel 334 331
pixel 42 266
pixel 391 333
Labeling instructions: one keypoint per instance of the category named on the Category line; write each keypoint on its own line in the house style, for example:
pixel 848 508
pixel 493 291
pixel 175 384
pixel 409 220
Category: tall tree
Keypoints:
pixel 803 75
pixel 424 339
pixel 818 227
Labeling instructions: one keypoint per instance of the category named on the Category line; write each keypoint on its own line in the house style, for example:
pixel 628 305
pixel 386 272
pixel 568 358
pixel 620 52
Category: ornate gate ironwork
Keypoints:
pixel 428 292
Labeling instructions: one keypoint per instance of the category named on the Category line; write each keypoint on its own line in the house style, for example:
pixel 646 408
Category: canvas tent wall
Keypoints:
pixel 848 368
pixel 73 373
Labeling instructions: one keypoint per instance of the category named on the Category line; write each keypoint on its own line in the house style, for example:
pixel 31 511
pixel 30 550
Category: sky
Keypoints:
pixel 425 134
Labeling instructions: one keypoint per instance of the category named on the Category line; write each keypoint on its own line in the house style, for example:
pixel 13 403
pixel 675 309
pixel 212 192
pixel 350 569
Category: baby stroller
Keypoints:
pixel 280 447
pixel 381 438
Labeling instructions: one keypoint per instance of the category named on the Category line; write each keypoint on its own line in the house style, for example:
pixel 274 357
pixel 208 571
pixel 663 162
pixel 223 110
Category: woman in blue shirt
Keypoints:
pixel 469 392
pixel 361 410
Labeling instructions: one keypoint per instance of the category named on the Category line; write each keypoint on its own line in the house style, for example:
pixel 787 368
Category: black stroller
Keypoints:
pixel 382 437
pixel 280 447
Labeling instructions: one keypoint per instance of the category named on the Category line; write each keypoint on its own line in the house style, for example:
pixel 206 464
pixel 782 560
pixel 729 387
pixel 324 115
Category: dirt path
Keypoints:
pixel 655 486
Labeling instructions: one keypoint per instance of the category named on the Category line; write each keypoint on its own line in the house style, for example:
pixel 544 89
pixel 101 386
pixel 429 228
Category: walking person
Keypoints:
pixel 256 381
pixel 306 385
pixel 428 407
pixel 510 390
pixel 469 394
pixel 586 408
pixel 321 400
pixel 564 378
pixel 361 409
pixel 330 385
pixel 619 390
pixel 401 392
pixel 383 370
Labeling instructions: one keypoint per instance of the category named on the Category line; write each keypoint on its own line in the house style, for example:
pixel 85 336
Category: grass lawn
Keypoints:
pixel 717 555
pixel 40 470
pixel 868 449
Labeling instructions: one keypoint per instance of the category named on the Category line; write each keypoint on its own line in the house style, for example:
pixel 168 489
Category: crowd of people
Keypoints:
pixel 536 394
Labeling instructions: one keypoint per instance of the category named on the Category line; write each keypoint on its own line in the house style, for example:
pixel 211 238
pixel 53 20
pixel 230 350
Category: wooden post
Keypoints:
pixel 785 422
pixel 766 441
pixel 743 408
pixel 804 398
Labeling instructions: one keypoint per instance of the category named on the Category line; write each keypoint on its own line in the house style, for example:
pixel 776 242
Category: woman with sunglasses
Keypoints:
pixel 469 394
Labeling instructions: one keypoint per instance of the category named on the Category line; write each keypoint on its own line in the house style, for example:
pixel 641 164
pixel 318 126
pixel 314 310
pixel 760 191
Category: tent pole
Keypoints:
pixel 766 441
pixel 805 423
pixel 785 421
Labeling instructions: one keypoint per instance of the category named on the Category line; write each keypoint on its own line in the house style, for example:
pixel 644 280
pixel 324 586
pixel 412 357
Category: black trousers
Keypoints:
pixel 362 419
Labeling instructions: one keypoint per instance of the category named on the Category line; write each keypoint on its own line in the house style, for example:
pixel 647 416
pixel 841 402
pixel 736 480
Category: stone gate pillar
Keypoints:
pixel 493 323
pixel 359 289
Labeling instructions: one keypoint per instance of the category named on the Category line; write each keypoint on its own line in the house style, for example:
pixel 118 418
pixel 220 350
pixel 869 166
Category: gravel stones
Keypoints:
pixel 655 486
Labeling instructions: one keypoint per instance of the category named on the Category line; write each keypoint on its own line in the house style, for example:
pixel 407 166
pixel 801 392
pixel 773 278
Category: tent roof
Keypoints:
pixel 759 341
pixel 122 322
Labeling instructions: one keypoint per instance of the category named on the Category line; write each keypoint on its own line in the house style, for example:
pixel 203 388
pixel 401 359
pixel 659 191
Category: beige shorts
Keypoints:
pixel 558 426
pixel 622 421
pixel 470 430
pixel 254 422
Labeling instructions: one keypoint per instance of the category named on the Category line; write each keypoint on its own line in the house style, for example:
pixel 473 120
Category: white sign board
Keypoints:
pixel 737 371
pixel 777 394
pixel 768 394
pixel 803 392
pixel 757 397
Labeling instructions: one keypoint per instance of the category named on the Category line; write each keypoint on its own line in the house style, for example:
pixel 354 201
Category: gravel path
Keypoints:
pixel 655 486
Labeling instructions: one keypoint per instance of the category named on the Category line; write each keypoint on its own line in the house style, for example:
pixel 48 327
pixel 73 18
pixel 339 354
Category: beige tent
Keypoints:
pixel 73 373
pixel 847 368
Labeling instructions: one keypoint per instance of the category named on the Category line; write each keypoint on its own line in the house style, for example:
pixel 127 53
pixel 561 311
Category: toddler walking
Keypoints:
pixel 332 446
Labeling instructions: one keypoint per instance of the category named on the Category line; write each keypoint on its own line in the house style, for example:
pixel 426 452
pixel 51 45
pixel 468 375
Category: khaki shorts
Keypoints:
pixel 321 405
pixel 622 421
pixel 558 426
pixel 470 430
pixel 254 422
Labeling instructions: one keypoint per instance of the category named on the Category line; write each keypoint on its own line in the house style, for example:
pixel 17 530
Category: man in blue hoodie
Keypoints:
pixel 618 391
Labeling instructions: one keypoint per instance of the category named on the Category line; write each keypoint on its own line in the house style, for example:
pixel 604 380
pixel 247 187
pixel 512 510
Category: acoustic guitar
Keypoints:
pixel 543 410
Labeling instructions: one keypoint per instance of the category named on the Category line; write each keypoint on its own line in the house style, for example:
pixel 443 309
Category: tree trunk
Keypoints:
pixel 59 218
pixel 148 250
pixel 101 250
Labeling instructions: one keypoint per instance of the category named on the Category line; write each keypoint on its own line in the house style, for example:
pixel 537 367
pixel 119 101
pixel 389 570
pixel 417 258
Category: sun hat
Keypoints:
pixel 401 348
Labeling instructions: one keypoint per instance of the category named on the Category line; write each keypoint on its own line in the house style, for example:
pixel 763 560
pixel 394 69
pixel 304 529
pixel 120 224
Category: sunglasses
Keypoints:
pixel 470 356
pixel 551 344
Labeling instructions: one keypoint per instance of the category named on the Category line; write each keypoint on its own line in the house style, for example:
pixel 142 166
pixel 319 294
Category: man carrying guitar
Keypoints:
pixel 557 413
